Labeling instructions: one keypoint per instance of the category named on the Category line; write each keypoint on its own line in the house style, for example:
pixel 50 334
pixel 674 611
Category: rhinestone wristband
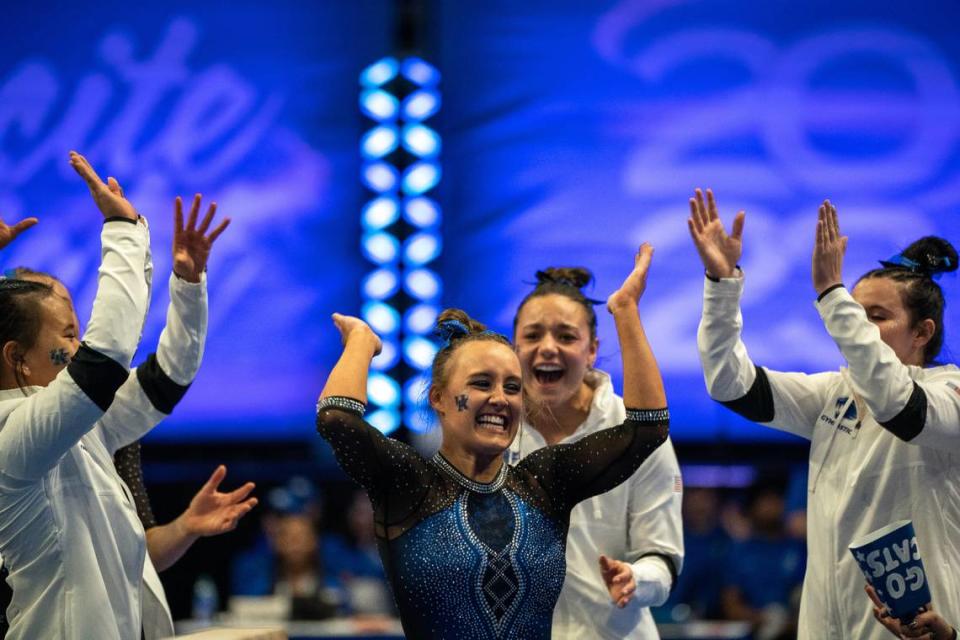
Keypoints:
pixel 648 415
pixel 342 402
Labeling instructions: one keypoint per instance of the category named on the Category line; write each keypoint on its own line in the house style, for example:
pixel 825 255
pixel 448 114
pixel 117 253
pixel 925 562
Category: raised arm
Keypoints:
pixel 379 464
pixel 642 383
pixel 787 401
pixel 41 428
pixel 926 411
pixel 159 383
pixel 602 460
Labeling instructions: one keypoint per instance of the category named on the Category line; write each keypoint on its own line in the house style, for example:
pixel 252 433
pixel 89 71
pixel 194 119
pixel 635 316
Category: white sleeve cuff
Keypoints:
pixel 653 579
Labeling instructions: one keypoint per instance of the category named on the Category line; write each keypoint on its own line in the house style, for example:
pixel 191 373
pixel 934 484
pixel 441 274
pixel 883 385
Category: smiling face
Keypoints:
pixel 556 348
pixel 480 399
pixel 883 301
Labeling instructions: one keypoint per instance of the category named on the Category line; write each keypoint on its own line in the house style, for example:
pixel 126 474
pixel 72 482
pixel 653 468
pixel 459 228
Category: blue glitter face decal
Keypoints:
pixel 59 356
pixel 461 403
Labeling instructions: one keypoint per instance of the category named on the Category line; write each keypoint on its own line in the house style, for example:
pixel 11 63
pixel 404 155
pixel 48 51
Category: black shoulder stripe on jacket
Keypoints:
pixel 163 393
pixel 757 404
pixel 908 424
pixel 97 375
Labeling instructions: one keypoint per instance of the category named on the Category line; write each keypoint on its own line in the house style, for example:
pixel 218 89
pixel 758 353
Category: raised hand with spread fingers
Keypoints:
pixel 191 244
pixel 719 251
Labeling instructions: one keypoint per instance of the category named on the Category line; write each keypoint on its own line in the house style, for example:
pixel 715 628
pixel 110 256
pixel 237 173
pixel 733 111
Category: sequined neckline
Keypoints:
pixel 479 487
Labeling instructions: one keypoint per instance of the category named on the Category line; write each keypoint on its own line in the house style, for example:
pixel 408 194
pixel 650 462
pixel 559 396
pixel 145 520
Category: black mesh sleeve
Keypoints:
pixel 596 463
pixel 127 462
pixel 393 474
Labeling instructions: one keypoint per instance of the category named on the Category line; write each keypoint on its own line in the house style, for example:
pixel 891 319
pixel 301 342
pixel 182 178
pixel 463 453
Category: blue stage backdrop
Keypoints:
pixel 572 130
pixel 253 104
pixel 576 130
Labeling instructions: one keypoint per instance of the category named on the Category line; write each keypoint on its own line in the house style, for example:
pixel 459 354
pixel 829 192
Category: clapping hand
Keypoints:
pixel 828 250
pixel 191 247
pixel 719 252
pixel 629 293
pixel 108 197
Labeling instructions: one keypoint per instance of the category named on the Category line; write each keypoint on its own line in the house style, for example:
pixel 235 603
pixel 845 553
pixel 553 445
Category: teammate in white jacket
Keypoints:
pixel 69 532
pixel 636 528
pixel 884 431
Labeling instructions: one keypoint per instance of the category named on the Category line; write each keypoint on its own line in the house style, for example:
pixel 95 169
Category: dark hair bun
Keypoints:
pixel 933 254
pixel 576 277
pixel 456 323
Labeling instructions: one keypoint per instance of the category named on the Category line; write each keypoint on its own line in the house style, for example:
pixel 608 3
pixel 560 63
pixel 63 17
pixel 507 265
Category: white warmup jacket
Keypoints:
pixel 884 446
pixel 69 531
pixel 637 522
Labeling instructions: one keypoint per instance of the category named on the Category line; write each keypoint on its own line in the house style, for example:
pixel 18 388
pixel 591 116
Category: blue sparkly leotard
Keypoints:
pixel 472 561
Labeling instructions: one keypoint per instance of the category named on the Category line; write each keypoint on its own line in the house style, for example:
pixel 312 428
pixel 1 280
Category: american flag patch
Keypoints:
pixel 677 484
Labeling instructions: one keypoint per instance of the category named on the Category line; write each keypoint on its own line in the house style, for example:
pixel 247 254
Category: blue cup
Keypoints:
pixel 890 560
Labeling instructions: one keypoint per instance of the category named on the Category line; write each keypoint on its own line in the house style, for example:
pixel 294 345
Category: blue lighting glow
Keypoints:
pixel 380 176
pixel 387 358
pixel 380 284
pixel 420 419
pixel 415 390
pixel 379 141
pixel 421 248
pixel 422 284
pixel 420 105
pixel 421 140
pixel 380 72
pixel 380 247
pixel 382 318
pixel 419 71
pixel 421 212
pixel 380 213
pixel 381 241
pixel 385 421
pixel 383 390
pixel 420 177
pixel 420 318
pixel 418 352
pixel 379 105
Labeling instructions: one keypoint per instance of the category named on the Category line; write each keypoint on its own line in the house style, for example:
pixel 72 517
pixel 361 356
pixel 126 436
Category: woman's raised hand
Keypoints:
pixel 719 252
pixel 351 327
pixel 191 244
pixel 828 249
pixel 108 197
pixel 629 293
pixel 9 233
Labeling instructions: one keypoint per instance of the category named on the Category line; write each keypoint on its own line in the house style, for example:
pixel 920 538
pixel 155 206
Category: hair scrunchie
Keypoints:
pixel 449 330
pixel 933 267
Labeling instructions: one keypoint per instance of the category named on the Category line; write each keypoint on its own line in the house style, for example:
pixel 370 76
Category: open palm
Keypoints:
pixel 211 512
pixel 192 244
pixel 719 251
